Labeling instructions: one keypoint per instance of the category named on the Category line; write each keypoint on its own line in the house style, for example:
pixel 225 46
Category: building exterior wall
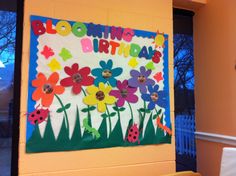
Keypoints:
pixel 146 160
pixel 215 59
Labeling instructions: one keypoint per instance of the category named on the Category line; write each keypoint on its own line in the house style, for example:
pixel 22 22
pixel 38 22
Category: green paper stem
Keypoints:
pixel 109 118
pixel 118 112
pixel 131 112
pixel 64 109
pixel 89 114
pixel 144 106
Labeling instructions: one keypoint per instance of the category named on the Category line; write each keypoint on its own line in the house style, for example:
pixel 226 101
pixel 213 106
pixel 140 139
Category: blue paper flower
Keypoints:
pixel 106 74
pixel 155 97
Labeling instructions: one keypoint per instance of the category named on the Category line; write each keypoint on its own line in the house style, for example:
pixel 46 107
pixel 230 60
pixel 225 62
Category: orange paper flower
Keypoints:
pixel 46 88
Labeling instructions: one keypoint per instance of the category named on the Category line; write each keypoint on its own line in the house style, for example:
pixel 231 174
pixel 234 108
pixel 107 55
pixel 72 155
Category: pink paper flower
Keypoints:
pixel 124 93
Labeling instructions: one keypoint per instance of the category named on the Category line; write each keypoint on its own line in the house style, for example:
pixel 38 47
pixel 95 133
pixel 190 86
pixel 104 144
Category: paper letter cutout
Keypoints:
pixel 103 46
pixel 114 45
pixel 116 32
pixel 63 28
pixel 128 34
pixel 79 29
pixel 134 50
pixel 94 30
pixel 124 49
pixel 49 28
pixel 38 27
pixel 86 45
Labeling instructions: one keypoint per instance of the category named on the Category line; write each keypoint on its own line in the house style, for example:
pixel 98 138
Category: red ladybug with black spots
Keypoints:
pixel 133 134
pixel 38 116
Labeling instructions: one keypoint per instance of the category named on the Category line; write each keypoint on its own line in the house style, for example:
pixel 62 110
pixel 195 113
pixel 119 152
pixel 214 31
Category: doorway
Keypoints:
pixel 11 24
pixel 184 90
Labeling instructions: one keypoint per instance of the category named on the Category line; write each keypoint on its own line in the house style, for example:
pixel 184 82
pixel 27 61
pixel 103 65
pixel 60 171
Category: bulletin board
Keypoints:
pixel 96 86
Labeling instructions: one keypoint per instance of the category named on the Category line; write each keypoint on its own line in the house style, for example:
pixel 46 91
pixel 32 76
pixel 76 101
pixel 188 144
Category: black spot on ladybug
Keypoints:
pixel 130 135
pixel 136 132
pixel 38 112
pixel 36 121
pixel 40 118
pixel 131 130
pixel 32 115
pixel 134 137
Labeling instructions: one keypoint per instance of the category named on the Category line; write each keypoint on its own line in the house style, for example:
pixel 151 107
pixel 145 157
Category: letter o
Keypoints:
pixel 79 29
pixel 63 28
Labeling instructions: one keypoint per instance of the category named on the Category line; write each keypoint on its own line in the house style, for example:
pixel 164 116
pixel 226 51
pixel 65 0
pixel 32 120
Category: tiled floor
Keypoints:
pixel 5 156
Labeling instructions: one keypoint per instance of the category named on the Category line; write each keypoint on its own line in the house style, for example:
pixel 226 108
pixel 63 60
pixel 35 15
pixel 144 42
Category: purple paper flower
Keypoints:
pixel 140 79
pixel 155 97
pixel 124 93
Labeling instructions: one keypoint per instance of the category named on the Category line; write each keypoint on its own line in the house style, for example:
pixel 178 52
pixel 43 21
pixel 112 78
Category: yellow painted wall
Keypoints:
pixel 144 160
pixel 215 77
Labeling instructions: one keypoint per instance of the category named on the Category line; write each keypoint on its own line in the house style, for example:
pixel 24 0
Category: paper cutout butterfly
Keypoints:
pixel 47 52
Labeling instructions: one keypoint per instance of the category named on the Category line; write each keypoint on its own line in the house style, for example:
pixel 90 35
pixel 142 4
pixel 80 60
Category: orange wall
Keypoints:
pixel 146 160
pixel 215 76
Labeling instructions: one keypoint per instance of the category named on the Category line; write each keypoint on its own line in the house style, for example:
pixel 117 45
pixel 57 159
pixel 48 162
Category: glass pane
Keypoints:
pixel 7 60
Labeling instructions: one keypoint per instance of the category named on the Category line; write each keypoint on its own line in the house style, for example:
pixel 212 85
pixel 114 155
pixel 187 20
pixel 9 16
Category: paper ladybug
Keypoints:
pixel 38 116
pixel 133 134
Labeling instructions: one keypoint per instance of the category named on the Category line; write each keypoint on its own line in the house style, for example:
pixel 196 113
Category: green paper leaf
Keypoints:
pixel 84 110
pixel 122 109
pixel 157 114
pixel 59 110
pixel 118 109
pixel 112 114
pixel 144 110
pixel 115 108
pixel 104 115
pixel 91 108
pixel 67 106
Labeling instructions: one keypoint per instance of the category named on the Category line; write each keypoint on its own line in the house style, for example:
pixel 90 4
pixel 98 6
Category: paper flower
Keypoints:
pixel 140 79
pixel 124 93
pixel 106 74
pixel 77 78
pixel 46 88
pixel 155 97
pixel 47 52
pixel 100 96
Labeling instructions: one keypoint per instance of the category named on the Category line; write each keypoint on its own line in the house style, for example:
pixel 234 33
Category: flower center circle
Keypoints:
pixel 142 79
pixel 100 95
pixel 106 74
pixel 154 96
pixel 77 78
pixel 124 93
pixel 47 88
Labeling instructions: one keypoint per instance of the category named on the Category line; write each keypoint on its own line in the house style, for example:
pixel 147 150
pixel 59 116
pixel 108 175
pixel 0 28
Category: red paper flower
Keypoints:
pixel 77 78
pixel 46 88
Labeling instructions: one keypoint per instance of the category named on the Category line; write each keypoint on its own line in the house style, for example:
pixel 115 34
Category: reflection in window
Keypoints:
pixel 7 60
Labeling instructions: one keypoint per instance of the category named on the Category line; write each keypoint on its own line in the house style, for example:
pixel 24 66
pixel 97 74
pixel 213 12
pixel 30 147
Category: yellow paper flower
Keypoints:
pixel 100 96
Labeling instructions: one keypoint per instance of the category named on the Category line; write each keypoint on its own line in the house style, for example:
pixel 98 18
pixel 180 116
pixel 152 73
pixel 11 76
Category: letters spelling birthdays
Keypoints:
pixel 101 45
